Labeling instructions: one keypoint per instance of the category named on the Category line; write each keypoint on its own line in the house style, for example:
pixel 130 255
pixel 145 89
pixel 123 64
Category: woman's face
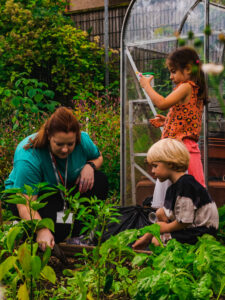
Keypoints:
pixel 62 143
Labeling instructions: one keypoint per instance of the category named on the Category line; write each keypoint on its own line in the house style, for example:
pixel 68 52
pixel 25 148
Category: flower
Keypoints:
pixel 212 69
pixel 221 37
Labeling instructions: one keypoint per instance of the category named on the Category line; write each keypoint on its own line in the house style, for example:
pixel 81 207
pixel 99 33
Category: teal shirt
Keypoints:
pixel 33 166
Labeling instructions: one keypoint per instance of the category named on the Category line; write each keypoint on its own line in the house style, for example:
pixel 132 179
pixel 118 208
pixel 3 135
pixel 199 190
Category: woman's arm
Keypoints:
pixel 86 178
pixel 98 161
pixel 180 95
pixel 44 235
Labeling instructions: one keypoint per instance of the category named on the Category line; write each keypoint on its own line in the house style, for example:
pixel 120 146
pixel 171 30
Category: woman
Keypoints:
pixel 58 153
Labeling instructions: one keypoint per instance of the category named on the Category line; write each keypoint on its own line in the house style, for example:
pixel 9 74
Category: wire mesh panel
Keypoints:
pixel 149 33
pixel 93 22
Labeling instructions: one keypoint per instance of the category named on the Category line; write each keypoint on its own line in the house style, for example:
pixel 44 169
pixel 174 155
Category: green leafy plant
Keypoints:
pixel 182 271
pixel 38 38
pixel 94 215
pixel 102 123
pixel 23 267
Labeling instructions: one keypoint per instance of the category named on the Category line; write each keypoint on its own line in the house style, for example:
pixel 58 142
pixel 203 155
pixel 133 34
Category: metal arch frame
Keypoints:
pixel 122 111
pixel 123 94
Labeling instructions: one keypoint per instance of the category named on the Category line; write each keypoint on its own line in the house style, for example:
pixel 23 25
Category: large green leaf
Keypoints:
pixel 11 237
pixel 12 191
pixel 46 195
pixel 38 97
pixel 29 190
pixel 16 100
pixel 49 274
pixel 17 200
pixel 46 223
pixel 46 256
pixel 23 292
pixel 6 266
pixel 36 205
pixel 24 257
pixel 35 266
pixel 31 92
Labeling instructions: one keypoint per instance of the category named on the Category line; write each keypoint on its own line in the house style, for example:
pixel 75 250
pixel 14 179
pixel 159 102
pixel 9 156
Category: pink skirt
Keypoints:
pixel 195 165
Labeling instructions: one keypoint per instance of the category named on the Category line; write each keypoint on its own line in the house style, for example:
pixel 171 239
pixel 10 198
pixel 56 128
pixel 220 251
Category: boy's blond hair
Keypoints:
pixel 169 151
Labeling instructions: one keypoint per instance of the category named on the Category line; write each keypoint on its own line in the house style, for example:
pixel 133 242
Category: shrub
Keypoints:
pixel 35 37
pixel 102 122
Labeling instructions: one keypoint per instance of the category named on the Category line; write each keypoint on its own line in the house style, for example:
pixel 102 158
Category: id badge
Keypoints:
pixel 60 215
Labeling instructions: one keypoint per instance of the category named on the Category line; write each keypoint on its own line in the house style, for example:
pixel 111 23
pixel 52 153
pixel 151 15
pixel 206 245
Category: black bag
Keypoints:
pixel 132 217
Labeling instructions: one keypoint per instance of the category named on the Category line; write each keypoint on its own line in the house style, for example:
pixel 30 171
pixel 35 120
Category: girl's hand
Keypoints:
pixel 45 238
pixel 86 179
pixel 145 81
pixel 158 121
pixel 143 242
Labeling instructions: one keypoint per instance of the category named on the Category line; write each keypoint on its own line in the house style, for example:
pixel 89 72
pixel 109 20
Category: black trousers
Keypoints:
pixel 55 204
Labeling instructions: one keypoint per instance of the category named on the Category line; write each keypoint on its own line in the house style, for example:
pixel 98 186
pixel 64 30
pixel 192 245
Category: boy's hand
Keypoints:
pixel 158 121
pixel 143 242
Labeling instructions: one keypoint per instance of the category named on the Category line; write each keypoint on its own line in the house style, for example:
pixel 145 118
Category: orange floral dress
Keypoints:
pixel 185 120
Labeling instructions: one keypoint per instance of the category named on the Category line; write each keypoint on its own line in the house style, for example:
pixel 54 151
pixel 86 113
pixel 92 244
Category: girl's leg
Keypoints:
pixel 195 165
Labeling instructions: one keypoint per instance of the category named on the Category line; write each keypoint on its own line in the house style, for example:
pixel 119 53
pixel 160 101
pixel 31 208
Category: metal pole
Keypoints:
pixel 123 124
pixel 132 162
pixel 205 125
pixel 123 95
pixel 106 40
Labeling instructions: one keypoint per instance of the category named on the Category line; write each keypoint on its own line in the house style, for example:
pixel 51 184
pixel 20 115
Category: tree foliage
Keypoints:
pixel 37 38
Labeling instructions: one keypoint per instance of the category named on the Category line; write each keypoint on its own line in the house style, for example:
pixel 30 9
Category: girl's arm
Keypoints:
pixel 181 95
pixel 170 227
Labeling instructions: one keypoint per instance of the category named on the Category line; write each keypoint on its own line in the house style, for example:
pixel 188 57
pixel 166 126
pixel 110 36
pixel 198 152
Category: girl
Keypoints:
pixel 185 104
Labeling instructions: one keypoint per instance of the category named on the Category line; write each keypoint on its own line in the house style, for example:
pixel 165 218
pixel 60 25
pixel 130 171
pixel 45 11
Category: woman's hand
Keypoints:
pixel 45 238
pixel 158 121
pixel 86 179
pixel 143 242
pixel 145 81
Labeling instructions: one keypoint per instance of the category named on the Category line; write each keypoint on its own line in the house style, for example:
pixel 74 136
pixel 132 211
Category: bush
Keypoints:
pixel 35 37
pixel 102 122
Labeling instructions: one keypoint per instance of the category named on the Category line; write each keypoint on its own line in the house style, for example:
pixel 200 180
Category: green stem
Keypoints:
pixel 31 248
pixel 221 289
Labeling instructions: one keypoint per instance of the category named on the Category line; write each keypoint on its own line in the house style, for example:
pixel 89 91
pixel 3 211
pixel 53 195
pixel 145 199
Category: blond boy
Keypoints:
pixel 188 210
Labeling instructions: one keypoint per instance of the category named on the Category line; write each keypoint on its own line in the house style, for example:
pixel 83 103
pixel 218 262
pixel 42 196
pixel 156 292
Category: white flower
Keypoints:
pixel 212 69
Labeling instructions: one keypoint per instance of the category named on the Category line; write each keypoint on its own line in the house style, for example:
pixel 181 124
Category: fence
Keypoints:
pixel 93 22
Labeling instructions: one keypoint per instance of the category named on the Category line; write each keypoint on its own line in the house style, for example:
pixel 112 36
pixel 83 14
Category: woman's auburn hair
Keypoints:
pixel 170 151
pixel 62 120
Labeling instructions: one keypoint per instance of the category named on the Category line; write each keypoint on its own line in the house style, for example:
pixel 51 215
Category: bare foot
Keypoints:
pixel 143 242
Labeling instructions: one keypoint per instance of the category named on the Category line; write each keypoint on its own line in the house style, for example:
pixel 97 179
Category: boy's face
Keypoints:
pixel 161 171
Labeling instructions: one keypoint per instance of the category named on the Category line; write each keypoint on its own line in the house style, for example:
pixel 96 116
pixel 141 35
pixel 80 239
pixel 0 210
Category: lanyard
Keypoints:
pixel 58 176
